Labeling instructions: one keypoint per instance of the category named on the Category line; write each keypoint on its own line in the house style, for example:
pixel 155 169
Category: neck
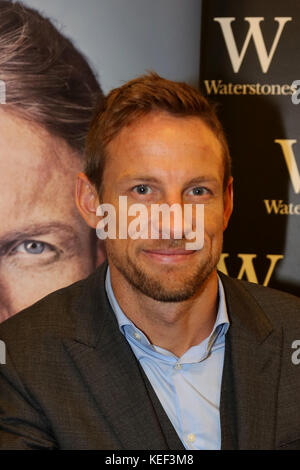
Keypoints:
pixel 175 326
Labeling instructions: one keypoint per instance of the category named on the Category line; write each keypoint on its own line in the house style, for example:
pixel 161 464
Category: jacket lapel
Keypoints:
pixel 251 373
pixel 122 392
pixel 229 439
pixel 111 372
pixel 168 430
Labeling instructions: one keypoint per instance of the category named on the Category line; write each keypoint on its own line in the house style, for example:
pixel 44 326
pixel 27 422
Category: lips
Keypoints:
pixel 171 255
pixel 171 252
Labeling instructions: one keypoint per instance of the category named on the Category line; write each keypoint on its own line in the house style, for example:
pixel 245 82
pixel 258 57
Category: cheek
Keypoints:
pixel 213 222
pixel 122 249
pixel 115 247
pixel 100 252
pixel 23 287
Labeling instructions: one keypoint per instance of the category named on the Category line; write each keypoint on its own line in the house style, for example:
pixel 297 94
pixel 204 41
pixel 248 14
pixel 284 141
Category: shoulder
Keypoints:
pixel 45 323
pixel 277 305
pixel 36 340
pixel 41 324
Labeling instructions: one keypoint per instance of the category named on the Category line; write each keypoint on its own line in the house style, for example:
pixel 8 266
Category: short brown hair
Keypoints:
pixel 137 98
pixel 47 79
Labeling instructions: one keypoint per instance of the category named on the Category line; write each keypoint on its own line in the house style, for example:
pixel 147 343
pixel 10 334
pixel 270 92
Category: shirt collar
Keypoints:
pixel 128 329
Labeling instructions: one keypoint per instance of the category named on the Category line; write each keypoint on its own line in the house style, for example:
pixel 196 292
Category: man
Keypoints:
pixel 48 93
pixel 155 350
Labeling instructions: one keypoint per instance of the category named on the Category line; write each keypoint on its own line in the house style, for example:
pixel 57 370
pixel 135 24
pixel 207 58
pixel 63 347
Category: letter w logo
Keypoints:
pixel 290 160
pixel 255 32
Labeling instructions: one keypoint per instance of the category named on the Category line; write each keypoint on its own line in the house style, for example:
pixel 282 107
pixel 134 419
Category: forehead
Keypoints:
pixel 37 172
pixel 161 142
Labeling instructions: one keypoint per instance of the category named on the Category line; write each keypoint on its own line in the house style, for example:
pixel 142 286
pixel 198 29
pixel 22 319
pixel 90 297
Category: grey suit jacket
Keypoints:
pixel 71 380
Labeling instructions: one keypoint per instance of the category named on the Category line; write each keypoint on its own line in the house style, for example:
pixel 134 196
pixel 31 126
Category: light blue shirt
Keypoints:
pixel 188 387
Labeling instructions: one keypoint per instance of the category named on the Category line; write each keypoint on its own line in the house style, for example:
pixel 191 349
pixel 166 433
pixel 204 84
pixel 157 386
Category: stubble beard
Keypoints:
pixel 154 288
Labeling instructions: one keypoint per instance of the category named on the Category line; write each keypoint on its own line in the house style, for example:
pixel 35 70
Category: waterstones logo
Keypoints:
pixel 279 206
pixel 290 160
pixel 247 267
pixel 218 87
pixel 254 33
pixel 236 57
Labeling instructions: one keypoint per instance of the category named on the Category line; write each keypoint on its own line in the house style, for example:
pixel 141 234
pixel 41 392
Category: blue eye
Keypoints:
pixel 199 191
pixel 32 247
pixel 142 189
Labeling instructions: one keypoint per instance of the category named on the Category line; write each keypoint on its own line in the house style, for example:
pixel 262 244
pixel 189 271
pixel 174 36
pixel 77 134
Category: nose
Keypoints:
pixel 167 217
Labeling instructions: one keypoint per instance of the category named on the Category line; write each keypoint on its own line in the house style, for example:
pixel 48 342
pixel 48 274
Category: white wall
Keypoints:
pixel 124 38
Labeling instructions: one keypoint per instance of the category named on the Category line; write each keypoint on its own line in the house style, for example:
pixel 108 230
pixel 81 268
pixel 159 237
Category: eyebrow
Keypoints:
pixel 36 230
pixel 147 179
pixel 203 179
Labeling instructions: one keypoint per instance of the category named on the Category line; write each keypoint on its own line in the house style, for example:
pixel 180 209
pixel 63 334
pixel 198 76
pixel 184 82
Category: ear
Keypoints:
pixel 87 200
pixel 228 202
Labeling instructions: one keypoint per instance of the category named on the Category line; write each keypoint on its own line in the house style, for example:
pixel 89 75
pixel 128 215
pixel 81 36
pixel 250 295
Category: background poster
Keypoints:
pixel 44 243
pixel 124 38
pixel 250 53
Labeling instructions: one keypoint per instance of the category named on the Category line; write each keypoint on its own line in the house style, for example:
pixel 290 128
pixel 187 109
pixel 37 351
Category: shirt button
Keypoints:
pixel 178 366
pixel 137 336
pixel 191 437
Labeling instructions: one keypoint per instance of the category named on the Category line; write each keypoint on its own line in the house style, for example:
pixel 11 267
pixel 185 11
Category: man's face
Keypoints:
pixel 165 159
pixel 44 244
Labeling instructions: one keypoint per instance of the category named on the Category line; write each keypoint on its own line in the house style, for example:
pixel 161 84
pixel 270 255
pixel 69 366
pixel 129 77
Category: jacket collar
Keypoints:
pixel 252 363
pixel 93 307
pixel 239 304
pixel 103 358
pixel 249 383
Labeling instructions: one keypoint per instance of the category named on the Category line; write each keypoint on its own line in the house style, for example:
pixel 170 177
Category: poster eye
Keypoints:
pixel 33 247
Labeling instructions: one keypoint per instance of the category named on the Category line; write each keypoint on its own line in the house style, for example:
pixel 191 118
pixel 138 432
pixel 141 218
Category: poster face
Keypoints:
pixel 249 60
pixel 48 91
pixel 55 57
pixel 44 242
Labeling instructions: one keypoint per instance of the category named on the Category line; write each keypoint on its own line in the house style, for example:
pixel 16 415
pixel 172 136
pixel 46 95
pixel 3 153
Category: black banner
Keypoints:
pixel 250 58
